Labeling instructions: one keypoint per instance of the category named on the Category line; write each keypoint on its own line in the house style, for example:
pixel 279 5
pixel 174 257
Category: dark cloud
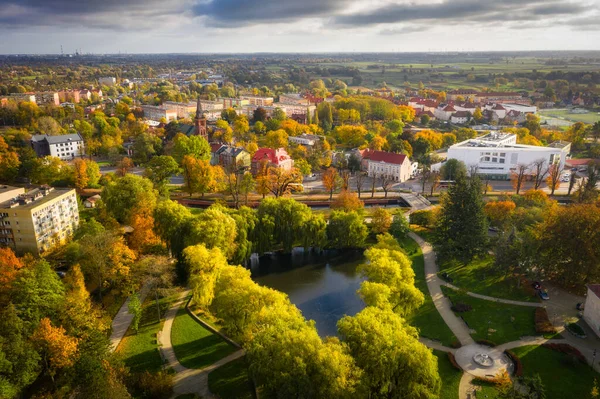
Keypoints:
pixel 462 11
pixel 233 13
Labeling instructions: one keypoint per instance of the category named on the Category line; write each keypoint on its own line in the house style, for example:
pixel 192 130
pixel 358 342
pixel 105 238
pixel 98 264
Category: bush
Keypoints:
pixel 567 350
pixel 542 322
pixel 425 218
pixel 461 307
pixel 455 343
pixel 153 385
pixel 516 361
pixel 400 227
pixel 452 360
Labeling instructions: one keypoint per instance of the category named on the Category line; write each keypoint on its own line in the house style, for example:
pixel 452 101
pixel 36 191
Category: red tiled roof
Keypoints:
pixel 461 114
pixel 382 156
pixel 595 288
pixel 499 94
pixel 578 162
pixel 449 108
pixel 499 107
pixel 215 146
pixel 271 155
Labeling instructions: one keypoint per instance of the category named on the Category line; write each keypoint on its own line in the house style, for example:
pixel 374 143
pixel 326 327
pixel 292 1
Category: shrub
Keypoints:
pixel 153 385
pixel 542 322
pixel 452 360
pixel 516 361
pixel 567 350
pixel 461 307
pixel 576 330
pixel 455 343
pixel 423 218
pixel 400 227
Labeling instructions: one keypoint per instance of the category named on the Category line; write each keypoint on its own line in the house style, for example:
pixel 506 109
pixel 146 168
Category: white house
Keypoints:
pixel 65 147
pixel 496 155
pixel 304 139
pixel 107 81
pixel 460 117
pixel 591 313
pixel 381 163
pixel 444 112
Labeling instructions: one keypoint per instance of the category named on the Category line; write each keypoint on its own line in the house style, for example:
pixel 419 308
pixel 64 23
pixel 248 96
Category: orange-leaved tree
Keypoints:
pixel 58 349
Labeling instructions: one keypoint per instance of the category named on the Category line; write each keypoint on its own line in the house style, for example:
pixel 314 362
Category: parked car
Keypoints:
pixel 543 294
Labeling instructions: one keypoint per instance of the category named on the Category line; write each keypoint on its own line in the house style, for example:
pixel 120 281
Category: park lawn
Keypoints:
pixel 195 346
pixel 590 117
pixel 561 377
pixel 231 380
pixel 480 277
pixel 424 232
pixel 427 319
pixel 506 322
pixel 449 375
pixel 140 351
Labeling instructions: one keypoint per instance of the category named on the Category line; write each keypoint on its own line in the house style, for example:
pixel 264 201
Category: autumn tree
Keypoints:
pixel 539 172
pixel 280 181
pixel 58 350
pixel 553 179
pixel 9 267
pixel 199 176
pixel 204 267
pixel 160 169
pixel 386 181
pixel 193 146
pixel 124 166
pixel 9 162
pixel 123 196
pixel 213 228
pixel 499 213
pixel 400 226
pixel 331 181
pixel 517 177
pixel 360 179
pixel 381 220
pixel 170 220
pixel 347 201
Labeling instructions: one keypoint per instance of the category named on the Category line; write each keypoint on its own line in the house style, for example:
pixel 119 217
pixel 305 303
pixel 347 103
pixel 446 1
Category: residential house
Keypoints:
pixel 232 158
pixel 65 147
pixel 381 163
pixel 91 201
pixel 156 113
pixel 278 158
pixel 305 139
pixel 258 100
pixel 47 97
pixel 460 117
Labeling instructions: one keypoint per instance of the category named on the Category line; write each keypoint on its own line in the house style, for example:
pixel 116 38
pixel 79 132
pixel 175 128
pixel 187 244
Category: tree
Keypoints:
pixel 48 125
pixel 259 115
pixel 160 169
pixel 47 170
pixel 394 363
pixel 194 146
pixel 124 166
pixel 135 308
pixel 346 230
pixel 198 176
pixel 478 115
pixel 400 227
pixel 386 182
pixel 461 230
pixel 170 219
pixel 347 201
pixel 280 224
pixel 453 169
pixel 331 181
pixel 500 213
pixel 280 181
pixel 553 179
pixel 123 196
pixel 539 172
pixel 360 181
pixel 9 267
pixel 276 139
pixel 9 162
pixel 58 350
pixel 215 229
pixel 517 177
pixel 204 267
pixel 381 220
pixel 145 147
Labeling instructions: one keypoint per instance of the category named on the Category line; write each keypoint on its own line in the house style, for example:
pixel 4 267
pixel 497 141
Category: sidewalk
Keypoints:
pixel 122 320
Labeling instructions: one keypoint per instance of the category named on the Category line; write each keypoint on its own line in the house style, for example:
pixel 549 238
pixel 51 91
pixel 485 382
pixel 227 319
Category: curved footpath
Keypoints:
pixel 462 333
pixel 194 381
pixel 123 319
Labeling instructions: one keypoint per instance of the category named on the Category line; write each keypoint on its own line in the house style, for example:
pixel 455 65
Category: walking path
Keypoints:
pixel 187 380
pixel 123 319
pixel 436 345
pixel 442 304
pixel 493 299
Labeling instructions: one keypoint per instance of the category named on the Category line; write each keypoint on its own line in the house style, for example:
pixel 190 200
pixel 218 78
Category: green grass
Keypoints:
pixel 140 351
pixel 195 346
pixel 449 375
pixel 561 377
pixel 427 319
pixel 480 277
pixel 590 118
pixel 231 381
pixel 508 322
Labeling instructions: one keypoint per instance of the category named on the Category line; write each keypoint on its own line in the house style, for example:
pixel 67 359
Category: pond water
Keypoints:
pixel 322 286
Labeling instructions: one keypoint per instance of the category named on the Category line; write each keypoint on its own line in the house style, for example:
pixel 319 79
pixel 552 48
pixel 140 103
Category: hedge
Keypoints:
pixel 452 360
pixel 516 361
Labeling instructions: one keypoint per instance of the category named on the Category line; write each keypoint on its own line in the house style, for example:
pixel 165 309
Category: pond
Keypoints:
pixel 322 286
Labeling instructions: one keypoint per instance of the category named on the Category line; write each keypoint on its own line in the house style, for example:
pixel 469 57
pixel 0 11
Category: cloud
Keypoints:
pixel 403 30
pixel 456 11
pixel 245 12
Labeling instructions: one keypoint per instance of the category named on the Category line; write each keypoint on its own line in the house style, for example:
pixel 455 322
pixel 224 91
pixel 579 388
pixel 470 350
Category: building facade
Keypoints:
pixel 380 163
pixel 65 147
pixel 278 158
pixel 155 113
pixel 591 313
pixel 258 101
pixel 497 155
pixel 38 220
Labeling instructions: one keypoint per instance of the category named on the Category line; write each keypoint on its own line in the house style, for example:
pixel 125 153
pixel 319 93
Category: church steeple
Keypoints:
pixel 200 121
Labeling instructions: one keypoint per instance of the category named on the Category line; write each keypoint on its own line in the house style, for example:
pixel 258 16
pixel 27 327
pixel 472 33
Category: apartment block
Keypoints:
pixel 37 220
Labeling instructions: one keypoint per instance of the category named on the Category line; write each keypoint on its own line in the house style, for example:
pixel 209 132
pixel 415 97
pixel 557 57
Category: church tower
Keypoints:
pixel 200 121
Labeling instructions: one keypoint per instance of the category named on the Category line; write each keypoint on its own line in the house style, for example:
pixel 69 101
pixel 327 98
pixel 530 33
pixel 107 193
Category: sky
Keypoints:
pixel 236 26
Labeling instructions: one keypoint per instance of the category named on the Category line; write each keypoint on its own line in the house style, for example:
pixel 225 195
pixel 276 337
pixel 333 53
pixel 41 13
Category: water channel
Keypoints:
pixel 322 286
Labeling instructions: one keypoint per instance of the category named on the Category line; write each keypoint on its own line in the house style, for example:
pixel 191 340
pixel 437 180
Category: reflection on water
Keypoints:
pixel 322 286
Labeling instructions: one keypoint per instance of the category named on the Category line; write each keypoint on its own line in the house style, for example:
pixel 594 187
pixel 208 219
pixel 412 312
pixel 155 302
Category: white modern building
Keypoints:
pixel 591 313
pixel 496 155
pixel 155 113
pixel 65 147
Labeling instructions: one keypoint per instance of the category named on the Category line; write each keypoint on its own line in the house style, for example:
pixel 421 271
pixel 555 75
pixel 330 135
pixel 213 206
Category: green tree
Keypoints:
pixel 146 146
pixel 170 221
pixel 462 229
pixel 394 363
pixel 346 230
pixel 214 229
pixel 204 267
pixel 280 224
pixel 194 146
pixel 453 169
pixel 400 227
pixel 160 169
pixel 128 194
pixel 135 308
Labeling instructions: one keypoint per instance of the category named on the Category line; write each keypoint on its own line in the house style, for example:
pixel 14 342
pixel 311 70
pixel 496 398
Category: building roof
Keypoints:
pixel 595 288
pixel 461 114
pixel 187 129
pixel 232 151
pixel 383 156
pixel 34 198
pixel 449 108
pixel 499 107
pixel 214 147
pixel 274 156
pixel 65 138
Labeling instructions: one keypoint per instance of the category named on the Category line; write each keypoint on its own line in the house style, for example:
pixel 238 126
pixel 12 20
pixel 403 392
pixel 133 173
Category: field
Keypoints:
pixel 566 115
pixel 449 375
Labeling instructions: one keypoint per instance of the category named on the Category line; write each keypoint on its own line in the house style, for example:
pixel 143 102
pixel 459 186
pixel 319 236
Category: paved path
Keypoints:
pixel 436 345
pixel 123 319
pixel 466 387
pixel 493 299
pixel 442 304
pixel 187 380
